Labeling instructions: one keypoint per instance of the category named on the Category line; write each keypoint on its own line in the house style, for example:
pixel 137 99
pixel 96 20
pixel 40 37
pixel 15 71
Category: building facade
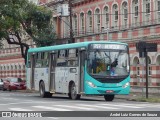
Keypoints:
pixel 128 21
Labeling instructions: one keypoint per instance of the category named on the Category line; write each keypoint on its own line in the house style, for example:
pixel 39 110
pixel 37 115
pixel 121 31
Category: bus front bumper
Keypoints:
pixel 105 90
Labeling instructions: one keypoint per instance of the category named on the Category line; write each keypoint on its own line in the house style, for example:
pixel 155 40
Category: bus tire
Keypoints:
pixel 109 97
pixel 42 92
pixel 74 95
pixel 49 95
pixel 69 95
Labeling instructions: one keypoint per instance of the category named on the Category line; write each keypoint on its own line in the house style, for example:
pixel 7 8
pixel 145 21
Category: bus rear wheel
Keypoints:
pixel 109 97
pixel 73 95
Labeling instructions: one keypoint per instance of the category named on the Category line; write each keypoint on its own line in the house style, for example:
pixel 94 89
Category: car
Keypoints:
pixel 13 84
pixel 1 84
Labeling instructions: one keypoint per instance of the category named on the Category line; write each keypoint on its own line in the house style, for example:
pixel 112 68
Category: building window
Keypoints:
pixel 106 17
pixel 97 20
pixel 150 70
pixel 135 11
pixel 82 23
pixel 136 8
pixel 147 6
pixel 158 10
pixel 146 14
pixel 125 14
pixel 75 24
pixel 138 71
pixel 115 16
pixel 90 28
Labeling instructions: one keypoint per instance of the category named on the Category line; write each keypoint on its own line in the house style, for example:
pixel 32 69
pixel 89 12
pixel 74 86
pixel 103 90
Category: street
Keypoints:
pixel 19 101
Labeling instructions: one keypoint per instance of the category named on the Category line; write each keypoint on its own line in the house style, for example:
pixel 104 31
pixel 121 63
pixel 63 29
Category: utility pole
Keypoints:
pixel 146 56
pixel 71 29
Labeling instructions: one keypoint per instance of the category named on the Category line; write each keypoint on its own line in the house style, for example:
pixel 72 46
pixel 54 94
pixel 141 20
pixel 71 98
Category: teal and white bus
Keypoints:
pixel 85 68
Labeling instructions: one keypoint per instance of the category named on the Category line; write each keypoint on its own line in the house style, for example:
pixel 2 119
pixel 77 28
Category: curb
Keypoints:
pixel 27 91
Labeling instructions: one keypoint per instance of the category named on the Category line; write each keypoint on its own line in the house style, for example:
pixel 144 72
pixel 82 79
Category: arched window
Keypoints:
pixel 115 16
pixel 158 60
pixel 19 67
pixel 89 22
pixel 125 15
pixel 15 67
pixel 146 12
pixel 135 9
pixel 4 67
pixel 8 67
pixel 136 64
pixel 157 6
pixel 11 67
pixel 106 17
pixel 75 24
pixel 97 20
pixel 24 66
pixel 82 23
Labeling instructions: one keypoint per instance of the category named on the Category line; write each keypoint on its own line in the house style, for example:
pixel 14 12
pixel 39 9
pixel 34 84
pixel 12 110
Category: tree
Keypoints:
pixel 21 17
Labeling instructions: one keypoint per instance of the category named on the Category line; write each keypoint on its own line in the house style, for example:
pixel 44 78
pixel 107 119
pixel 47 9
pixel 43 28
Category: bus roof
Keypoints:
pixel 71 45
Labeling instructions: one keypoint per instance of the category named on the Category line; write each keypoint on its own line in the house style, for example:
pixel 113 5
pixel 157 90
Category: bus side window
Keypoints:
pixel 45 61
pixel 62 58
pixel 38 60
pixel 73 57
pixel 29 61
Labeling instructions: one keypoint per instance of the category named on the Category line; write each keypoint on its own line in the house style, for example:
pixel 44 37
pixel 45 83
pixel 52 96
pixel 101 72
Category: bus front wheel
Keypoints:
pixel 73 95
pixel 44 94
pixel 109 97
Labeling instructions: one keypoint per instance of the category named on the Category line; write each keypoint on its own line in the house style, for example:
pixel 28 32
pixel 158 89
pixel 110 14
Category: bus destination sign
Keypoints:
pixel 108 46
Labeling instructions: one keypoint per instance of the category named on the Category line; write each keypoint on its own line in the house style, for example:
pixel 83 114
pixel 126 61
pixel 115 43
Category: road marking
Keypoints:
pixel 52 118
pixel 9 98
pixel 22 103
pixel 75 107
pixel 126 106
pixel 147 105
pixel 19 109
pixel 96 106
pixel 52 108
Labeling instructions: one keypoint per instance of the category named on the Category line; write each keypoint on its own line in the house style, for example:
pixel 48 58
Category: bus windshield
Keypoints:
pixel 108 62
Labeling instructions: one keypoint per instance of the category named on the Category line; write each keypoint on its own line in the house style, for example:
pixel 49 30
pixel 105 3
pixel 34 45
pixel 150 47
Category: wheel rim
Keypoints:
pixel 41 91
pixel 73 91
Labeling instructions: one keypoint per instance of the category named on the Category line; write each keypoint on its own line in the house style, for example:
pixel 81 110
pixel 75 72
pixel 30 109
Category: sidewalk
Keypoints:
pixel 135 96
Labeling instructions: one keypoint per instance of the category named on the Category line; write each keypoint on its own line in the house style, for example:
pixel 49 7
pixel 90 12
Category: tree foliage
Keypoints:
pixel 20 17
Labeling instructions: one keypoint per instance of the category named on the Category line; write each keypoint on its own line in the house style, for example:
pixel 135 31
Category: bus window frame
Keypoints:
pixel 67 58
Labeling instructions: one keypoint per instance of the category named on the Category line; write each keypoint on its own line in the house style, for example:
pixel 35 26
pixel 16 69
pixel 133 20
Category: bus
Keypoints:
pixel 87 68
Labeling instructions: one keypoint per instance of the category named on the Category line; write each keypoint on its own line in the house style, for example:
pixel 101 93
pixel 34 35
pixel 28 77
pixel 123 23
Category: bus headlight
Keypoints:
pixel 126 85
pixel 90 84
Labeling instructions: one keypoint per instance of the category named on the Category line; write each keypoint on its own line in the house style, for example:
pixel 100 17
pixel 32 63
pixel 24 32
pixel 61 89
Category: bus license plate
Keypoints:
pixel 109 91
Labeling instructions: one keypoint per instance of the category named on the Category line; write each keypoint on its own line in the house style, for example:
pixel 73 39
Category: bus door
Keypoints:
pixel 82 66
pixel 52 65
pixel 32 84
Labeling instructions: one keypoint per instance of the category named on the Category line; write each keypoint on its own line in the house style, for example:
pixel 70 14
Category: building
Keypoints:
pixel 128 21
pixel 11 62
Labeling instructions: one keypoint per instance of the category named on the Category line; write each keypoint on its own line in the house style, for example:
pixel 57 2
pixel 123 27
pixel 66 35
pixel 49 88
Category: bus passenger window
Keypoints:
pixel 61 60
pixel 73 57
